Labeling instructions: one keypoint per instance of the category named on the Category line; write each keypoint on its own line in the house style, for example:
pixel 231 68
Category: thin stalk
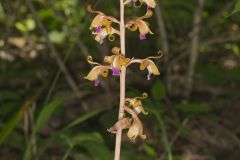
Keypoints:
pixel 122 82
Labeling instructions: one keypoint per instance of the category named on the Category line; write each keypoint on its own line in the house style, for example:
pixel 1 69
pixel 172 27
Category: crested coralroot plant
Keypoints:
pixel 117 63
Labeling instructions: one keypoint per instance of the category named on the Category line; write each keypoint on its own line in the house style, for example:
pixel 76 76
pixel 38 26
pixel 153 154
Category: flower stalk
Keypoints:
pixel 102 27
pixel 122 82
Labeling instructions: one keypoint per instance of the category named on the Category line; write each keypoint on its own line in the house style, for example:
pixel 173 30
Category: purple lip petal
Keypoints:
pixel 115 71
pixel 142 36
pixel 96 82
pixel 98 29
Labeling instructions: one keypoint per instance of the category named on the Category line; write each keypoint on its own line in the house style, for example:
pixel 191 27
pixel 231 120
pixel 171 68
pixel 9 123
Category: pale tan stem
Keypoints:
pixel 122 82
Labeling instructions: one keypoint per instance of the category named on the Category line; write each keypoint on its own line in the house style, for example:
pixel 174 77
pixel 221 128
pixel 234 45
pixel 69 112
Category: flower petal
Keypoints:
pixel 109 59
pixel 96 71
pixel 143 27
pixel 121 124
pixel 136 130
pixel 150 3
pixel 148 14
pixel 153 68
pixel 97 21
pixel 132 26
pixel 144 64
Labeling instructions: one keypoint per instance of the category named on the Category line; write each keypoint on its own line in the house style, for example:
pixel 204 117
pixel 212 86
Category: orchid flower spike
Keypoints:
pixel 97 71
pixel 136 103
pixel 141 25
pixel 102 25
pixel 116 61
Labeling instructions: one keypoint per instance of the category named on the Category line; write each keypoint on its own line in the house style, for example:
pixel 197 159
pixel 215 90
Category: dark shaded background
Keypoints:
pixel 49 111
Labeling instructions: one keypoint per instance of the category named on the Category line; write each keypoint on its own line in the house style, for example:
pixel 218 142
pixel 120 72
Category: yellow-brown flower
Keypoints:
pixel 136 103
pixel 99 70
pixel 136 128
pixel 117 60
pixel 148 64
pixel 102 25
pixel 141 25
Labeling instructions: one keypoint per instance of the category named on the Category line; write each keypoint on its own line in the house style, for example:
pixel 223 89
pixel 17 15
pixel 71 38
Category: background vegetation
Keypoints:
pixel 48 111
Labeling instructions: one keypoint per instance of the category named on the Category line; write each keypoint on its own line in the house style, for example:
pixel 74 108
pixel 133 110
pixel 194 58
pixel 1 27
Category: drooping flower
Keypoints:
pixel 141 25
pixel 116 61
pixel 102 25
pixel 148 64
pixel 151 67
pixel 99 70
pixel 123 123
pixel 136 128
pixel 136 103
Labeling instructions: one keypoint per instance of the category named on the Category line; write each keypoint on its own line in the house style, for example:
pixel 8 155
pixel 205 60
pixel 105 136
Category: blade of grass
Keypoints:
pixel 75 122
pixel 164 134
pixel 12 123
pixel 42 119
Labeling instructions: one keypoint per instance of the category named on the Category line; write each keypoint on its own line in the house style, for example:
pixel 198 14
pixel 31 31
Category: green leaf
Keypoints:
pixel 98 150
pixel 12 123
pixel 158 91
pixel 57 37
pixel 30 24
pixel 83 117
pixel 236 8
pixel 2 13
pixel 21 27
pixel 75 122
pixel 161 124
pixel 194 108
pixel 149 150
pixel 82 137
pixel 179 126
pixel 42 119
pixel 8 95
pixel 46 113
